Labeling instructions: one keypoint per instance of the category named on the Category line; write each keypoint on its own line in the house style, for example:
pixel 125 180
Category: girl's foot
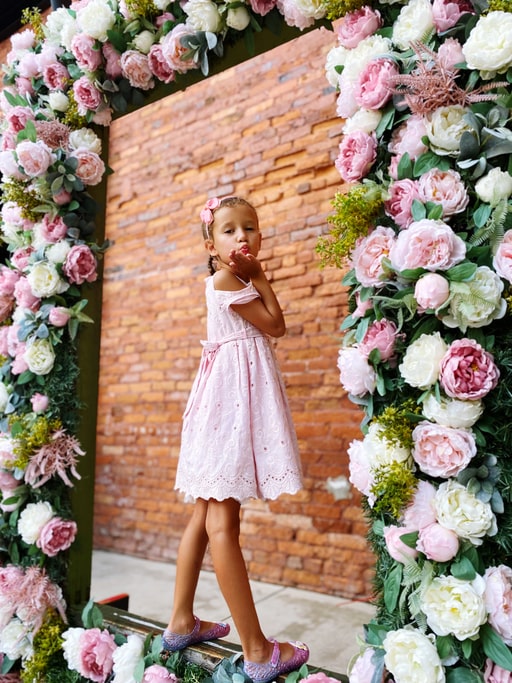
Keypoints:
pixel 269 671
pixel 177 641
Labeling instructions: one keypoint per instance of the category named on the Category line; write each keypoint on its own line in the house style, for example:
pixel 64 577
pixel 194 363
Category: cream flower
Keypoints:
pixel 58 101
pixel 32 520
pixel 444 128
pixel 364 119
pixel 127 657
pixel 45 281
pixel 490 56
pixel 60 28
pixel 453 606
pixel 335 57
pixel 451 412
pixel 382 452
pixel 85 138
pixel 96 18
pixel 40 356
pixel 411 656
pixel 57 252
pixel 4 397
pixel 422 360
pixel 460 511
pixel 413 23
pixel 143 41
pixel 477 302
pixel 14 642
pixel 494 186
pixel 203 15
pixel 238 18
pixel 71 647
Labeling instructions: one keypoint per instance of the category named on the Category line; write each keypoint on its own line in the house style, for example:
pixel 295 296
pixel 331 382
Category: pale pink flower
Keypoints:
pixel 59 316
pixel 495 674
pixel 445 188
pixel 83 48
pixel 450 53
pixel 447 13
pixel 80 265
pixel 24 40
pixel 158 674
pixel 158 64
pixel 18 116
pixel 360 473
pixel 357 152
pixel 162 18
pixel 174 52
pixel 23 295
pixel 361 306
pixel 9 166
pixel 428 244
pixel 96 650
pixel 421 512
pixel 468 371
pixel 87 96
pixel 112 61
pixel 498 600
pixel 262 7
pixel 398 206
pixel 381 335
pixel 39 402
pixel 135 67
pixel 24 85
pixel 56 76
pixel 91 166
pixel 54 459
pixel 36 594
pixel 374 85
pixel 398 550
pixel 8 280
pixel 438 543
pixel 34 157
pixel 19 364
pixel 28 66
pixel 442 451
pixel 358 25
pixel 356 375
pixel 407 138
pixel 53 228
pixel 62 197
pixel 502 260
pixel 364 668
pixel 56 535
pixel 21 257
pixel 319 677
pixel 293 15
pixel 431 291
pixel 366 259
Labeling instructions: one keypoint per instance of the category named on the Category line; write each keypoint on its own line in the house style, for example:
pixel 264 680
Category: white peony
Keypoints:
pixel 40 356
pixel 460 511
pixel 411 656
pixel 32 520
pixel 335 57
pixel 364 119
pixel 60 28
pixel 422 360
pixel 45 281
pixel 312 9
pixel 71 648
pixel 444 128
pixel 477 302
pixel 366 50
pixel 450 412
pixel 4 397
pixel 58 101
pixel 96 18
pixel 490 56
pixel 126 658
pixel 85 138
pixel 238 18
pixel 453 606
pixel 494 186
pixel 203 15
pixel 57 252
pixel 143 41
pixel 415 21
pixel 14 642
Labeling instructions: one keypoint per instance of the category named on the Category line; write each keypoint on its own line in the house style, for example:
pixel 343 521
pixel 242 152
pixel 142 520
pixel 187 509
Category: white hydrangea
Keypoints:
pixel 32 520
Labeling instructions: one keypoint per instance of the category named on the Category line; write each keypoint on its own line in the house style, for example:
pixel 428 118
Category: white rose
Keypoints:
pixel 143 41
pixel 96 18
pixel 460 511
pixel 40 356
pixel 335 57
pixel 4 397
pixel 422 359
pixel 85 138
pixel 71 648
pixel 454 606
pixel 57 252
pixel 60 28
pixel 313 9
pixel 126 658
pixel 45 281
pixel 238 18
pixel 477 302
pixel 413 23
pixel 58 101
pixel 450 412
pixel 494 186
pixel 380 451
pixel 364 119
pixel 411 656
pixel 490 56
pixel 14 641
pixel 32 520
pixel 203 15
pixel 444 128
pixel 161 4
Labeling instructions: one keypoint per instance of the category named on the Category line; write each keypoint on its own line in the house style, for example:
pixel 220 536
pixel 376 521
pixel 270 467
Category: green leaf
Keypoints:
pixel 25 377
pixel 461 272
pixel 118 40
pixel 405 168
pixel 495 648
pixel 481 215
pixel 92 616
pixel 462 675
pixel 418 210
pixel 428 161
pixel 392 584
pixel 138 671
pixel 445 646
pixel 463 569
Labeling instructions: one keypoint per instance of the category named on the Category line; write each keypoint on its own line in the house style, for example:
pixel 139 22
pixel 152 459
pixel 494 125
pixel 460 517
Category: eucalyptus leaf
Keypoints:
pixel 495 648
pixel 463 569
pixel 462 675
pixel 462 272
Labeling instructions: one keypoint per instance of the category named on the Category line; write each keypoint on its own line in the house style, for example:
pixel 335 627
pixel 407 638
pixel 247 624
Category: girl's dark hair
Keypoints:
pixel 227 201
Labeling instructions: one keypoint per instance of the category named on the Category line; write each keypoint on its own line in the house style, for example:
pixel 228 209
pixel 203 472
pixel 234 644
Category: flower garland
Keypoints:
pixel 424 232
pixel 62 81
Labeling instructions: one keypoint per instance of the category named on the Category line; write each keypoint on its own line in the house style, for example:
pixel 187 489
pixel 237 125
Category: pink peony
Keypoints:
pixel 381 335
pixel 364 668
pixel 368 255
pixel 53 228
pixel 23 295
pixel 361 306
pixel 358 25
pixel 445 188
pixel 498 600
pixel 91 166
pixel 450 53
pixel 431 291
pixel 159 66
pixel 21 257
pixel 262 7
pixel 502 261
pixel 446 13
pixel 319 677
pixel 408 138
pixel 80 265
pixel 83 48
pixel 438 543
pixel 62 197
pixel 34 157
pixel 8 280
pixel 56 76
pixel 373 88
pixel 174 52
pixel 420 512
pixel 87 96
pixel 359 468
pixel 158 674
pixel 442 451
pixel 135 67
pixel 56 535
pixel 59 316
pixel 39 402
pixel 356 375
pixel 398 550
pixel 467 371
pixel 96 650
pixel 112 61
pixel 357 152
pixel 398 206
pixel 495 674
pixel 17 117
pixel 427 244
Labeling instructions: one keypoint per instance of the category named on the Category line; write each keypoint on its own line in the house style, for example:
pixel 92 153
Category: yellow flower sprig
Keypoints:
pixel 32 16
pixel 47 642
pixel 338 8
pixel 393 487
pixel 142 8
pixel 16 191
pixel 395 425
pixel 499 6
pixel 30 434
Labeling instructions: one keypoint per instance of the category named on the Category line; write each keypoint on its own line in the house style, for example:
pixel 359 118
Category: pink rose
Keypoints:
pixel 467 371
pixel 364 668
pixel 87 96
pixel 502 261
pixel 39 402
pixel 56 535
pixel 159 66
pixel 112 61
pixel 398 206
pixel 407 138
pixel 356 375
pixel 21 257
pixel 381 335
pixel 262 7
pixel 24 85
pixel 431 291
pixel 421 512
pixel 373 88
pixel 18 116
pixel 446 14
pixel 360 474
pixel 498 598
pixel 495 674
pixel 368 254
pixel 8 480
pixel 83 48
pixel 174 52
pixel 8 280
pixel 53 228
pixel 59 316
pixel 19 364
pixel 91 166
pixel 62 197
pixel 445 188
pixel 438 543
pixel 319 677
pixel 162 18
pixel 427 244
pixel 34 157
pixel 135 68
pixel 442 451
pixel 357 153
pixel 158 674
pixel 80 265
pixel 398 550
pixel 358 25
pixel 96 649
pixel 56 76
pixel 450 53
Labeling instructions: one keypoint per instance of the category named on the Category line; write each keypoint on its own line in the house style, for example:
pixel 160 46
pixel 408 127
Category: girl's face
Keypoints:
pixel 234 228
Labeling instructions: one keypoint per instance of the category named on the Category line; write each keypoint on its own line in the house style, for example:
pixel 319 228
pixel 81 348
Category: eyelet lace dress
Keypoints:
pixel 238 439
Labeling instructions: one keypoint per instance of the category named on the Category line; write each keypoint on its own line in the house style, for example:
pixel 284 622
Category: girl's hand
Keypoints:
pixel 244 265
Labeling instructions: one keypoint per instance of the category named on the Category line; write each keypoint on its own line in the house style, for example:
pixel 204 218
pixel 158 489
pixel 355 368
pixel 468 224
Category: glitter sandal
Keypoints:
pixel 176 641
pixel 269 671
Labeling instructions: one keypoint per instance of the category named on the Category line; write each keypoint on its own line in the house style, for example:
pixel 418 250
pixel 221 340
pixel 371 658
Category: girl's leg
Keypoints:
pixel 223 528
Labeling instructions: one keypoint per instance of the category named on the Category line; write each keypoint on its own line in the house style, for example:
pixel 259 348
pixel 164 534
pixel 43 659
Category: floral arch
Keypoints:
pixel 423 232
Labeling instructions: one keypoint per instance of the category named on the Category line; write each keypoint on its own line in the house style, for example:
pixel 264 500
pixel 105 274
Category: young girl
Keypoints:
pixel 238 440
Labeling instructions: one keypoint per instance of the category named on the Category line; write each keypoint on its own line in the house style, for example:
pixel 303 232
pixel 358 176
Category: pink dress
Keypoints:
pixel 238 439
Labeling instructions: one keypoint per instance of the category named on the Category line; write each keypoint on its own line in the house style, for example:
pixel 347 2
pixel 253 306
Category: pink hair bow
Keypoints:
pixel 206 214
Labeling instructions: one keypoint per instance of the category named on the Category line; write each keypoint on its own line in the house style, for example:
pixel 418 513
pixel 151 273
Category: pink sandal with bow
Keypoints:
pixel 269 671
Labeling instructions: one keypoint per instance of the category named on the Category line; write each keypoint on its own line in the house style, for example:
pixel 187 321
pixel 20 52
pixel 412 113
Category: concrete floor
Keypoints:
pixel 329 625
